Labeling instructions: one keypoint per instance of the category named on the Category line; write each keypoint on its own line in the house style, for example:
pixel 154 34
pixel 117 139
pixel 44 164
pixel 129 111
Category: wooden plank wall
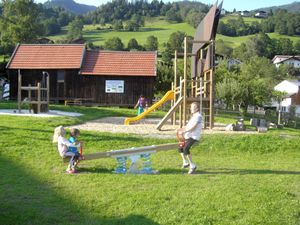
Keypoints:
pixel 87 87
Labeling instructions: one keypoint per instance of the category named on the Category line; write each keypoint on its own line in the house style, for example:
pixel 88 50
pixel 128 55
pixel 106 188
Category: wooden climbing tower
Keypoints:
pixel 37 97
pixel 200 85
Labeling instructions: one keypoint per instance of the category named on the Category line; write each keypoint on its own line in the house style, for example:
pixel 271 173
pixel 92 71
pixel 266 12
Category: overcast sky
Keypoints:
pixel 228 4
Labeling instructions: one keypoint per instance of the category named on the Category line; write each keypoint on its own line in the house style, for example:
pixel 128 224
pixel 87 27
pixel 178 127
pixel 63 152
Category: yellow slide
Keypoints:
pixel 168 96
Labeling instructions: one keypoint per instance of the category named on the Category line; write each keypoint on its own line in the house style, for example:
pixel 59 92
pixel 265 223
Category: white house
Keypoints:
pixel 287 59
pixel 291 88
pixel 261 14
pixel 233 61
pixel 245 13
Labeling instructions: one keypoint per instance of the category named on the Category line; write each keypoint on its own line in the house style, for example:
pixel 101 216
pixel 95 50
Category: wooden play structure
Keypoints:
pixel 37 97
pixel 200 86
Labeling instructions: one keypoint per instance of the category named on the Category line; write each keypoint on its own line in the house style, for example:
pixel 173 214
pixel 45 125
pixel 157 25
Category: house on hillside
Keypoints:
pixel 287 59
pixel 232 62
pixel 245 13
pixel 291 88
pixel 110 78
pixel 261 14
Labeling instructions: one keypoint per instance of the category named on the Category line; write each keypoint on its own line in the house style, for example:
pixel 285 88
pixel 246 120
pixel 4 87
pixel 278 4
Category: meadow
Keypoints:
pixel 161 29
pixel 241 179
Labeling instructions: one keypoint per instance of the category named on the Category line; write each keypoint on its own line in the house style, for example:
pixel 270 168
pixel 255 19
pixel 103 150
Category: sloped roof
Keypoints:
pixel 119 63
pixel 290 87
pixel 47 56
pixel 281 58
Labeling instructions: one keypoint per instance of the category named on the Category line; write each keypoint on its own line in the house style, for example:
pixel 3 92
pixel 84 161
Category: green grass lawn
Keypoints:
pixel 162 30
pixel 241 179
pixel 236 41
pixel 247 20
pixel 159 28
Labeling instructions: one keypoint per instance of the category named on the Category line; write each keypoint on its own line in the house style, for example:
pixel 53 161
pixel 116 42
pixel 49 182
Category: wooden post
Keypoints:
pixel 39 98
pixel 19 90
pixel 172 101
pixel 201 84
pixel 180 107
pixel 48 91
pixel 211 101
pixel 175 84
pixel 185 82
pixel 212 84
pixel 29 98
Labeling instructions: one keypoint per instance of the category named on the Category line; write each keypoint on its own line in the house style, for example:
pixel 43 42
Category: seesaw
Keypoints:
pixel 134 154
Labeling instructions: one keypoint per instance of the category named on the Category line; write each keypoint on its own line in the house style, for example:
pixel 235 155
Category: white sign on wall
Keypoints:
pixel 114 86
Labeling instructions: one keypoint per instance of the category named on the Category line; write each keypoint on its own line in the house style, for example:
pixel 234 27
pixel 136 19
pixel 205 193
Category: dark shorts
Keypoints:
pixel 186 148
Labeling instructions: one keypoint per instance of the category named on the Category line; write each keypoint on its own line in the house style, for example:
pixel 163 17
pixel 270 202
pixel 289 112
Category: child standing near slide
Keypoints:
pixel 141 104
pixel 63 146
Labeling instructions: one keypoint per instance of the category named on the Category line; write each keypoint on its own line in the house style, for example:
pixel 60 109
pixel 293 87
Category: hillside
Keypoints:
pixel 159 28
pixel 293 7
pixel 70 6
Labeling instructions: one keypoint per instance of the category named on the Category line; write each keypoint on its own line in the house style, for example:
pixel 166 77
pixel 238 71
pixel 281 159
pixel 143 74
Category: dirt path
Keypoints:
pixel 146 128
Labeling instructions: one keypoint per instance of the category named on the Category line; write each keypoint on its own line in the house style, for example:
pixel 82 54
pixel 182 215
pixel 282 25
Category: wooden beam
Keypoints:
pixel 131 151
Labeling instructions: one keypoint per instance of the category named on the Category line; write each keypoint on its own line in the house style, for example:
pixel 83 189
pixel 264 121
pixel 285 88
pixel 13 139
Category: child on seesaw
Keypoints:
pixel 63 146
pixel 74 134
pixel 191 133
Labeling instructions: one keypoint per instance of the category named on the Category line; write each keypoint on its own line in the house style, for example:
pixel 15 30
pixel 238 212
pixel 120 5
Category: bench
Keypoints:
pixel 76 101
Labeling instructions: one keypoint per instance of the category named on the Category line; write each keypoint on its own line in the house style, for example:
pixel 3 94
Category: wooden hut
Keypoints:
pixel 110 78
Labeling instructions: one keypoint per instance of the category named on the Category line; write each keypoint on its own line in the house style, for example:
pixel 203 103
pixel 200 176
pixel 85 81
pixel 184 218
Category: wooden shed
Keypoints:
pixel 110 78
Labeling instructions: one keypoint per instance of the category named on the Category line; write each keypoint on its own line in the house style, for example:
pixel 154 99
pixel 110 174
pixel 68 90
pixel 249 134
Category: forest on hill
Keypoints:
pixel 70 6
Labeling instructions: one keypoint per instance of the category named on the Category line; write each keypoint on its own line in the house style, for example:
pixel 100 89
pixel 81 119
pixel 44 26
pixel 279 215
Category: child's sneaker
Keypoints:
pixel 185 165
pixel 192 170
pixel 70 171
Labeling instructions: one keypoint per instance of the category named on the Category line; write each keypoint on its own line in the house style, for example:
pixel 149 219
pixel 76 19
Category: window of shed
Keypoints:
pixel 61 76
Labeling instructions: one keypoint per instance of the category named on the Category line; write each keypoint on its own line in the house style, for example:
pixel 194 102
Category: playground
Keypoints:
pixel 241 179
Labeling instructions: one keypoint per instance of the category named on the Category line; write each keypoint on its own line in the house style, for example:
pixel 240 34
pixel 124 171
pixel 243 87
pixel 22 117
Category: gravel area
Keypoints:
pixel 146 127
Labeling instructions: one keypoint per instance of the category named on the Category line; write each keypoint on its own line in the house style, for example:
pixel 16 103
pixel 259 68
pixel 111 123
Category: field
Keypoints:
pixel 159 28
pixel 162 30
pixel 241 179
pixel 247 20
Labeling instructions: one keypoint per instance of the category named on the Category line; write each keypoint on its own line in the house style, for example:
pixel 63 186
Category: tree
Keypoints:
pixel 133 44
pixel 176 41
pixel 151 43
pixel 118 25
pixel 230 91
pixel 51 26
pixel 194 17
pixel 297 47
pixel 223 49
pixel 257 78
pixel 260 45
pixel 19 22
pixel 278 96
pixel 75 30
pixel 285 46
pixel 114 43
pixel 164 79
pixel 173 15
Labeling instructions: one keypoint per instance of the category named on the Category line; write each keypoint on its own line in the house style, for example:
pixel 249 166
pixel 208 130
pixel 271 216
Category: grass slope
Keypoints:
pixel 162 30
pixel 242 179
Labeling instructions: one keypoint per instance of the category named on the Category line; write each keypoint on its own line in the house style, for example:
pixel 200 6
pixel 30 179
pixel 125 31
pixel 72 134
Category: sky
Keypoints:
pixel 229 5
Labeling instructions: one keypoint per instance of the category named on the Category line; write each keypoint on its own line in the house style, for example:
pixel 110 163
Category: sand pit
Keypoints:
pixel 146 128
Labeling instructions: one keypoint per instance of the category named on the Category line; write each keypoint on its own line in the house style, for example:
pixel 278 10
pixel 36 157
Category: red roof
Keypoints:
pixel 119 63
pixel 47 57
